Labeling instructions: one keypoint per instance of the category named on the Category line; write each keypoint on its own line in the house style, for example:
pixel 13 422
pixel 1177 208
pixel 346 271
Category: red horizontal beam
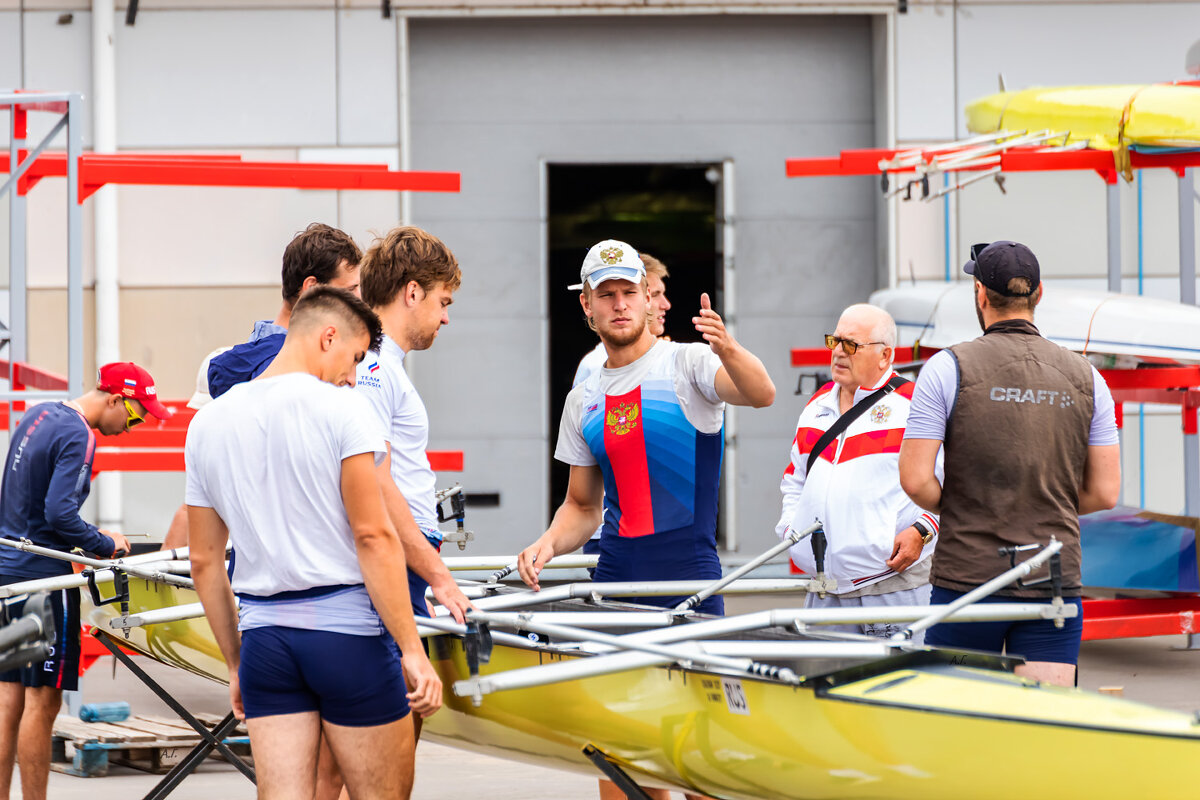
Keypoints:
pixel 138 169
pixel 113 459
pixel 1155 378
pixel 1131 618
pixel 445 460
pixel 1017 159
pixel 31 377
pixel 118 460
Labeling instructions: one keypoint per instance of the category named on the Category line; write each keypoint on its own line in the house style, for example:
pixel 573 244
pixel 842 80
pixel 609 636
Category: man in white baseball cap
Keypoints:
pixel 643 435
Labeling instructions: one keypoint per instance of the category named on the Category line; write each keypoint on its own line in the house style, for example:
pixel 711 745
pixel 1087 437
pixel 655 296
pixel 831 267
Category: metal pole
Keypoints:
pixel 74 249
pixel 1191 463
pixel 708 591
pixel 404 132
pixel 17 295
pixel 1114 234
pixel 109 505
pixel 729 469
pixel 1187 238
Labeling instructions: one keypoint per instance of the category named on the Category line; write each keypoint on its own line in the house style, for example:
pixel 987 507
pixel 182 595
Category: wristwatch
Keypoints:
pixel 926 534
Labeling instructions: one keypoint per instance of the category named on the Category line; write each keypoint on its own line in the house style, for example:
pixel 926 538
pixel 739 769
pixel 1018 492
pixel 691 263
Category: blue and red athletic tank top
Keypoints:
pixel 661 477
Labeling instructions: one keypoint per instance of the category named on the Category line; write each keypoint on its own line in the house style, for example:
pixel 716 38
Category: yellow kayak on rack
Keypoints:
pixel 1106 117
pixel 925 725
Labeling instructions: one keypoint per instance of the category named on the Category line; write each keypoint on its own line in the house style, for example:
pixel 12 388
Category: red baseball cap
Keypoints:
pixel 129 380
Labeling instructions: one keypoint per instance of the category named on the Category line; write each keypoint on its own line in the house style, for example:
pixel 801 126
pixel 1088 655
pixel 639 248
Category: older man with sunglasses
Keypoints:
pixel 843 473
pixel 47 477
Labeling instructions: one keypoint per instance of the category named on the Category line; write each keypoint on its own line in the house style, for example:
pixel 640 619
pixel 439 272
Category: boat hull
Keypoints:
pixel 1152 115
pixel 1128 329
pixel 924 725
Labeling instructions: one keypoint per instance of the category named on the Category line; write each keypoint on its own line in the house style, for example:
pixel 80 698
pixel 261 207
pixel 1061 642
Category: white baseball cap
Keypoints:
pixel 609 260
pixel 201 397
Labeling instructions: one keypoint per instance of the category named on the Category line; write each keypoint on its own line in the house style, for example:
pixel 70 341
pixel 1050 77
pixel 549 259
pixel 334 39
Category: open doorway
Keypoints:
pixel 667 210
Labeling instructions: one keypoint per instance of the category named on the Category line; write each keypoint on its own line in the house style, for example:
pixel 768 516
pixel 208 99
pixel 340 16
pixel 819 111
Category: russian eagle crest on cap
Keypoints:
pixel 612 255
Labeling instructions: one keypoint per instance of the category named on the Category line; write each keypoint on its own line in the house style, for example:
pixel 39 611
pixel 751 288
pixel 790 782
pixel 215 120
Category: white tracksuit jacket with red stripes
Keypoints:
pixel 853 489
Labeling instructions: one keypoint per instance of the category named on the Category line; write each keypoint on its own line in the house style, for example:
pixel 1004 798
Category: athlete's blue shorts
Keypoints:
pixel 592 548
pixel 61 669
pixel 417 585
pixel 349 680
pixel 1033 640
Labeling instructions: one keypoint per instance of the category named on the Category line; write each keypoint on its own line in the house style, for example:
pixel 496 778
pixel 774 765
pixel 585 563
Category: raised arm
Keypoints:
pixel 742 379
pixel 421 558
pixel 381 559
pixel 573 524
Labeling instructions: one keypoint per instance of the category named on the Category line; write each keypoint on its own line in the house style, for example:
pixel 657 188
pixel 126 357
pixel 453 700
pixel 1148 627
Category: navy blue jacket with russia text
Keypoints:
pixel 47 476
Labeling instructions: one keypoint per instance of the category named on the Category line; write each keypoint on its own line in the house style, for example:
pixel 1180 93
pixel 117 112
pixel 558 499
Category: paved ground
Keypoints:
pixel 1151 670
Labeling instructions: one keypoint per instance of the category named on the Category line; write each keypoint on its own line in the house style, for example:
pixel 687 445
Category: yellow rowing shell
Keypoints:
pixel 1107 117
pixel 927 725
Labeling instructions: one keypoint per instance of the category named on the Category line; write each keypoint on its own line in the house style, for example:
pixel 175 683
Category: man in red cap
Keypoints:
pixel 47 477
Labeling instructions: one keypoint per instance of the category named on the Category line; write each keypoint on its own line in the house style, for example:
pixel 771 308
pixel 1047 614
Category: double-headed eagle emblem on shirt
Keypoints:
pixel 880 414
pixel 622 419
pixel 612 255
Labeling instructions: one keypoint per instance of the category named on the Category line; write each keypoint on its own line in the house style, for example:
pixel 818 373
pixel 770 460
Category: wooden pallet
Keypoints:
pixel 146 742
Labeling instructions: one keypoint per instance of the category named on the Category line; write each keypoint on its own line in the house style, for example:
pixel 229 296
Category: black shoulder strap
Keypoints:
pixel 843 422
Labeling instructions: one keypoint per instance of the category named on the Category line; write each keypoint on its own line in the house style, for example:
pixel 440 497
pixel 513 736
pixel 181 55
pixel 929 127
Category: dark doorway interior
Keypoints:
pixel 666 210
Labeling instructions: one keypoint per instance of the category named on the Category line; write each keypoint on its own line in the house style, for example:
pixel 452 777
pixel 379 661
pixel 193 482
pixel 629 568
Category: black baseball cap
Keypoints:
pixel 995 264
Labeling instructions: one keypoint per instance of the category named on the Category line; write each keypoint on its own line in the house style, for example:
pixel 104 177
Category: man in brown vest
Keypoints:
pixel 1030 444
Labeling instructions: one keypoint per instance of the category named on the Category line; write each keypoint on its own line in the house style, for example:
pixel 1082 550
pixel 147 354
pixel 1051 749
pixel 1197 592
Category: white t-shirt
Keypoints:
pixel 593 361
pixel 399 414
pixel 267 457
pixel 696 369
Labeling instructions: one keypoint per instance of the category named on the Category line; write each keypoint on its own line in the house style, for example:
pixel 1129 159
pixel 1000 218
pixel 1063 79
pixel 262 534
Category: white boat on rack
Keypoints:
pixel 1127 329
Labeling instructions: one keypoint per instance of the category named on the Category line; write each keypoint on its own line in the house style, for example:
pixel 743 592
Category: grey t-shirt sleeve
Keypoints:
pixel 572 448
pixel 1104 414
pixel 933 398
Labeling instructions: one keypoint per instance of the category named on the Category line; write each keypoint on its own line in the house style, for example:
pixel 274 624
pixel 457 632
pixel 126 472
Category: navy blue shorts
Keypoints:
pixel 592 548
pixel 349 680
pixel 1033 640
pixel 61 669
pixel 418 585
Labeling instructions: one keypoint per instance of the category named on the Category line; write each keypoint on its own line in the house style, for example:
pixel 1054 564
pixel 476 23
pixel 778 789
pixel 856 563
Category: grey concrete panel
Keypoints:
pixel 925 107
pixel 1060 215
pixel 501 264
pixel 483 378
pixel 1062 47
pixel 58 58
pixel 682 69
pixel 239 78
pixel 10 62
pixel 500 173
pixel 234 236
pixel 150 500
pixel 822 264
pixel 772 339
pixel 366 78
pixel 496 107
pixel 760 465
pixel 517 469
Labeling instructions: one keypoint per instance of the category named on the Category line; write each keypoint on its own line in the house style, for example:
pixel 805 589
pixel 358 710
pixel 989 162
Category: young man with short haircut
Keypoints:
pixel 47 477
pixel 409 278
pixel 284 466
